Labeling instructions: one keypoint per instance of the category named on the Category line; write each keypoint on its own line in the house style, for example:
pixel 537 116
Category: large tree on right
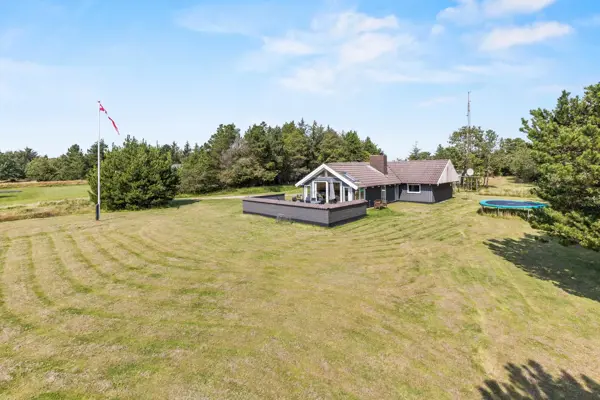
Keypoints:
pixel 566 148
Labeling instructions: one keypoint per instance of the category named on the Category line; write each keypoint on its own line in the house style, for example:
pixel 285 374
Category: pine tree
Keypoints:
pixel 370 148
pixel 296 147
pixel 187 150
pixel 331 148
pixel 135 176
pixel 566 148
pixel 72 164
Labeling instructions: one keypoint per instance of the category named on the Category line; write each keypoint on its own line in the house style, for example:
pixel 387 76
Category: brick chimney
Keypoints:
pixel 379 162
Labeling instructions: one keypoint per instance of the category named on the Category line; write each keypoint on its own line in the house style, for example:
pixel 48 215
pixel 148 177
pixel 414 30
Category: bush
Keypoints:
pixel 135 176
pixel 41 169
pixel 197 174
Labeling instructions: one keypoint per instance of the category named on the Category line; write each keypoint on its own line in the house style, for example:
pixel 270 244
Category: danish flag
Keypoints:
pixel 107 116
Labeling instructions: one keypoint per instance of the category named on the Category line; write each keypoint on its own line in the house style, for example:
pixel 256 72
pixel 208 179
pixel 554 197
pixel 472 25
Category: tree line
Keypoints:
pixel 268 155
pixel 562 156
pixel 486 153
pixel 28 164
pixel 263 154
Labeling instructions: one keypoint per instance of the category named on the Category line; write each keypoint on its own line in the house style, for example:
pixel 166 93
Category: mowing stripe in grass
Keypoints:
pixel 81 257
pixel 155 246
pixel 64 271
pixel 179 242
pixel 215 250
pixel 110 276
pixel 143 255
pixel 86 261
pixel 31 276
pixel 7 315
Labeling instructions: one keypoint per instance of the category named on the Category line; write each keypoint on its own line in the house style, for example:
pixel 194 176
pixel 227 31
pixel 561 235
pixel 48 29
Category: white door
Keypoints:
pixel 397 197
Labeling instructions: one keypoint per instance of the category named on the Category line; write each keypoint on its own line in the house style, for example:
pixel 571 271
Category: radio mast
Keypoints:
pixel 468 124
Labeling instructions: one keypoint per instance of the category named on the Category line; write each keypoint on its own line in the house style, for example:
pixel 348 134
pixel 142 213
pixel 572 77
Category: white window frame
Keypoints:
pixel 413 184
pixel 383 193
pixel 307 192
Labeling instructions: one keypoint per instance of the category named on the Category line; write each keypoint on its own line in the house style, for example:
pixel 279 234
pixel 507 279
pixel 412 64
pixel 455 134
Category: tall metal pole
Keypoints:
pixel 98 148
pixel 469 123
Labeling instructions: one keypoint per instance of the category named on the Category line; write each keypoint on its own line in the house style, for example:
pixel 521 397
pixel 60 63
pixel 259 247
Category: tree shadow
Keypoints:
pixel 9 193
pixel 573 269
pixel 532 382
pixel 176 203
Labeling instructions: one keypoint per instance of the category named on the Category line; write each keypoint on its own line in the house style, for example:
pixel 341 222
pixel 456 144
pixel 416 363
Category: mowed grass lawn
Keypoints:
pixel 201 301
pixel 32 194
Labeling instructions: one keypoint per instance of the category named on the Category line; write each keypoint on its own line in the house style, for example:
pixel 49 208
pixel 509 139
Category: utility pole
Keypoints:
pixel 468 123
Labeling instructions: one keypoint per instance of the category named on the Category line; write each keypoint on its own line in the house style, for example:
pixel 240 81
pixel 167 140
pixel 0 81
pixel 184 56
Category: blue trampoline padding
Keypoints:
pixel 512 204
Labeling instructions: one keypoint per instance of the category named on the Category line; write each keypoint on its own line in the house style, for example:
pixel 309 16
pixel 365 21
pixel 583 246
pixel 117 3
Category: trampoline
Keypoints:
pixel 512 204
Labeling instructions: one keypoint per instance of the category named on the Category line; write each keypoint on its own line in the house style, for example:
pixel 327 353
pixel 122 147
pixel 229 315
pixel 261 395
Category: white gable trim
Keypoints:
pixel 331 171
pixel 446 172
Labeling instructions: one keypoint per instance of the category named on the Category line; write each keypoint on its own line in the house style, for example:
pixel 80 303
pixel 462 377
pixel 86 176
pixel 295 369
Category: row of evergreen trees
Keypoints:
pixel 486 153
pixel 280 154
pixel 27 164
pixel 262 155
pixel 267 155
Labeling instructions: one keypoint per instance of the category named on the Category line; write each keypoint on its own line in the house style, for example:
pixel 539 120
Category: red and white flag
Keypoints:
pixel 107 116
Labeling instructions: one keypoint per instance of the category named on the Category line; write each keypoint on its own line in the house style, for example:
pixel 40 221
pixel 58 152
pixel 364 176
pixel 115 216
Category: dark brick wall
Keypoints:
pixel 379 163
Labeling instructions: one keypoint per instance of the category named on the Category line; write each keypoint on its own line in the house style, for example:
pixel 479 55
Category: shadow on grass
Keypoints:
pixel 531 381
pixel 182 202
pixel 573 269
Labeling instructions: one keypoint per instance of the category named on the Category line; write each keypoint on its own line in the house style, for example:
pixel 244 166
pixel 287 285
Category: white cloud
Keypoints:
pixel 352 49
pixel 504 38
pixel 240 19
pixel 467 11
pixel 315 79
pixel 529 69
pixel 438 100
pixel 437 29
pixel 352 23
pixel 371 46
pixel 496 8
pixel 340 45
pixel 288 46
pixel 475 11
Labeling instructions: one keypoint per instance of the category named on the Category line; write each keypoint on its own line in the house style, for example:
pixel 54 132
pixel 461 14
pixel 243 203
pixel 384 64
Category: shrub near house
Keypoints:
pixel 133 177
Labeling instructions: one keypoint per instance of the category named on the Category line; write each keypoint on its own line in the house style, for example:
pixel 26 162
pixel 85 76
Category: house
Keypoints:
pixel 427 181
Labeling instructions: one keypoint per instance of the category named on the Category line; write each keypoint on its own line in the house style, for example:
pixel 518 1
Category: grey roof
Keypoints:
pixel 364 174
pixel 425 172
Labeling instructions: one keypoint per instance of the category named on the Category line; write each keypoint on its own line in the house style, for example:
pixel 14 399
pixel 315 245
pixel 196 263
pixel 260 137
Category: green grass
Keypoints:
pixel 507 186
pixel 201 301
pixel 34 194
pixel 290 189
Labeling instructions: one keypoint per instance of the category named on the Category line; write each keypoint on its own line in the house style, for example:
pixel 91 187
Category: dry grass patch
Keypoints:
pixel 507 186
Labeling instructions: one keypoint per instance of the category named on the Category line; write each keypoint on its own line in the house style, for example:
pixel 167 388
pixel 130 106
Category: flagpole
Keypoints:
pixel 98 148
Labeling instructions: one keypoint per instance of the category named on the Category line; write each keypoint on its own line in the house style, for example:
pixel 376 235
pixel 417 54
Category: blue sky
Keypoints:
pixel 397 71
